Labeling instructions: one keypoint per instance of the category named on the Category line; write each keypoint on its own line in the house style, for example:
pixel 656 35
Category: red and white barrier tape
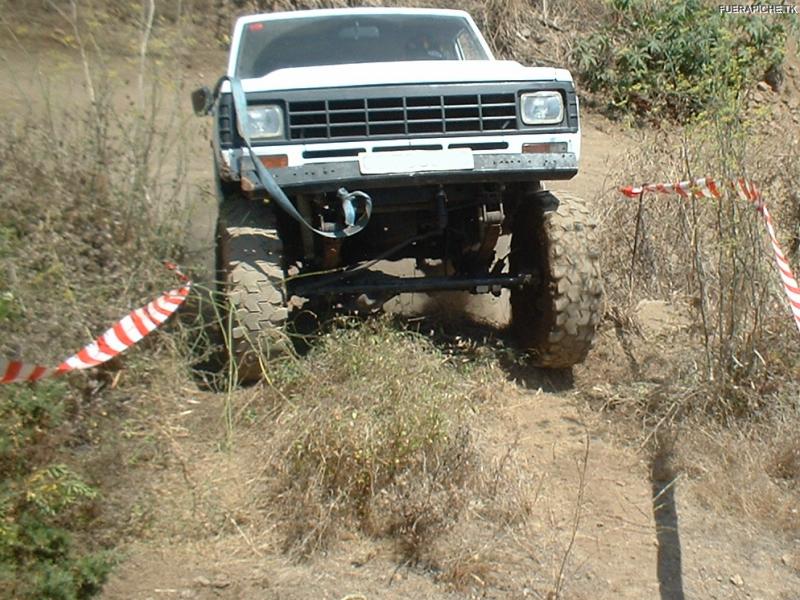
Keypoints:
pixel 121 336
pixel 747 190
pixel 702 187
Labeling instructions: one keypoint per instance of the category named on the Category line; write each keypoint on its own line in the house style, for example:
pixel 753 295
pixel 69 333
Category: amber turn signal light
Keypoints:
pixel 275 161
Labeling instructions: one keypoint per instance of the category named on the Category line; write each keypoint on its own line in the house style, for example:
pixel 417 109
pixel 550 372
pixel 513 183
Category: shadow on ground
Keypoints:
pixel 669 567
pixel 460 334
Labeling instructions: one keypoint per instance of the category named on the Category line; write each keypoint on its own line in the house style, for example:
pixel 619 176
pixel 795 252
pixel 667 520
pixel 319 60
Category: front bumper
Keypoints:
pixel 327 177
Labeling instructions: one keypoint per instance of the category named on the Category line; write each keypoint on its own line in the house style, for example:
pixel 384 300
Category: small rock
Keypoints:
pixel 220 583
pixel 763 86
pixel 785 559
pixel 202 581
pixel 737 580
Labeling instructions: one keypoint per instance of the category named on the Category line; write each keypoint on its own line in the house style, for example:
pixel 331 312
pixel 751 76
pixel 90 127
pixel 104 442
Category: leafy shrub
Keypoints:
pixel 676 59
pixel 38 556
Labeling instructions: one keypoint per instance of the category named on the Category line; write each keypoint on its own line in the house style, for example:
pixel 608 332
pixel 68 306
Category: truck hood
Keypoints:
pixel 401 73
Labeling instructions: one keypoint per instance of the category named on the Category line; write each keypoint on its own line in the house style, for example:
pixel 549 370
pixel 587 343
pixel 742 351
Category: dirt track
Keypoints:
pixel 641 534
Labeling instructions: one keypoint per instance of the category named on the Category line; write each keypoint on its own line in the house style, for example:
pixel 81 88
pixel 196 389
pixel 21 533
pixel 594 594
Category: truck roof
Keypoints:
pixel 321 12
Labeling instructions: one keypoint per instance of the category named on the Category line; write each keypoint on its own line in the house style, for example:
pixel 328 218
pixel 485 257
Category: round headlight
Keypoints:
pixel 264 122
pixel 541 108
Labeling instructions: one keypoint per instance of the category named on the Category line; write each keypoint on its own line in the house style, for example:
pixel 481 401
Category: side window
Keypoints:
pixel 467 46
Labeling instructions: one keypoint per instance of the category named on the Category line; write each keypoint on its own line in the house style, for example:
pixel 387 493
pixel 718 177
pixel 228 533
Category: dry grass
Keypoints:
pixel 718 376
pixel 378 431
pixel 736 358
pixel 78 248
pixel 374 432
pixel 91 203
pixel 749 471
pixel 377 435
pixel 93 197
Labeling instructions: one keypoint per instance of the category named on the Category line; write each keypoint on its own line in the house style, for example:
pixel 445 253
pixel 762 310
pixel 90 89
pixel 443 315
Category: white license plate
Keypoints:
pixel 415 161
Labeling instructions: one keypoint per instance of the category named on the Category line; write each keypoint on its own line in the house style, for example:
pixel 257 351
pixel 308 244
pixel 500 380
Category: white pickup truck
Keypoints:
pixel 346 137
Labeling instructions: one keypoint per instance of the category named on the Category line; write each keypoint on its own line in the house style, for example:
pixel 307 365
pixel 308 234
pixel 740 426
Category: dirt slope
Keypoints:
pixel 637 536
pixel 614 553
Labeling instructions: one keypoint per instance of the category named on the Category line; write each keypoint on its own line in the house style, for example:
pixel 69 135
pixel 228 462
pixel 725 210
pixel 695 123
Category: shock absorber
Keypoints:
pixel 441 209
pixel 441 222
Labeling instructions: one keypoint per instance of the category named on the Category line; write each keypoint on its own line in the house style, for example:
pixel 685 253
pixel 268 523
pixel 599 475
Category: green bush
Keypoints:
pixel 39 558
pixel 677 59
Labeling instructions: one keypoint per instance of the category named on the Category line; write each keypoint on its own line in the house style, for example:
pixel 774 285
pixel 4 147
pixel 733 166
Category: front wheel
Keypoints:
pixel 556 318
pixel 250 261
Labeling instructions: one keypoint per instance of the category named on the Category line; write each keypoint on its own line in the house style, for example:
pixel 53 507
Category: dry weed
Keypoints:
pixel 713 257
pixel 92 200
pixel 373 431
pixel 746 471
pixel 88 212
pixel 721 377
pixel 377 432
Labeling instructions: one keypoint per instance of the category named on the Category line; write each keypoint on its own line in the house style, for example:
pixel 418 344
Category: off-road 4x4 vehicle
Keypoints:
pixel 347 137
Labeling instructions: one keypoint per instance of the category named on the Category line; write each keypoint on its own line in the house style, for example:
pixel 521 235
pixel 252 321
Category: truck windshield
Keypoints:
pixel 274 44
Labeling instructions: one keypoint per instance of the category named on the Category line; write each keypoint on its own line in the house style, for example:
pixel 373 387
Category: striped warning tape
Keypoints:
pixel 701 187
pixel 122 335
pixel 705 187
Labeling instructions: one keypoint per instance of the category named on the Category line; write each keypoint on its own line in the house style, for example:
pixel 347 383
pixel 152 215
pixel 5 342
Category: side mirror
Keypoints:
pixel 202 101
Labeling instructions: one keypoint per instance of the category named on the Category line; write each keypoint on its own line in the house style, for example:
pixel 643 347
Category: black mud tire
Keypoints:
pixel 556 319
pixel 251 274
